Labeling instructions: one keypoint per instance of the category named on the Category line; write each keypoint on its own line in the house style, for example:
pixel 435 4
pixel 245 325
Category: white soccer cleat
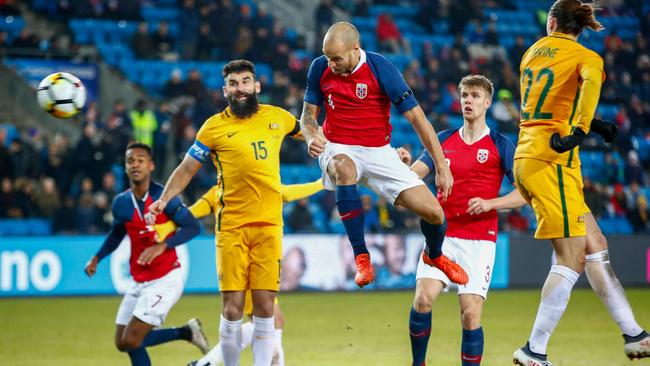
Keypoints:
pixel 521 357
pixel 198 337
pixel 637 349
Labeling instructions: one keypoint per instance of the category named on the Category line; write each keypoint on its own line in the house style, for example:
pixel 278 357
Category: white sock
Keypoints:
pixel 246 334
pixel 555 297
pixel 230 338
pixel 263 340
pixel 604 282
pixel 278 351
pixel 215 356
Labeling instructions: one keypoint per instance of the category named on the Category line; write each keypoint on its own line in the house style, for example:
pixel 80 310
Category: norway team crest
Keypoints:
pixel 482 155
pixel 362 90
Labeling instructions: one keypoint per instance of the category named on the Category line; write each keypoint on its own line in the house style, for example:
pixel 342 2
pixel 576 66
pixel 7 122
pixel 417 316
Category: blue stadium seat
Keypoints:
pixel 397 11
pixel 365 24
pixel 150 13
pixel 12 25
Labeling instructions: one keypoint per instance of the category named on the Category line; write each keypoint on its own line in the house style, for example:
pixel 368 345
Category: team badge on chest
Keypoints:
pixel 361 90
pixel 482 155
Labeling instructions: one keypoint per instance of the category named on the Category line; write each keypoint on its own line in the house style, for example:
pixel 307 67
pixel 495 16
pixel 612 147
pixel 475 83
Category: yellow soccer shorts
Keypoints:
pixel 249 257
pixel 555 193
pixel 248 303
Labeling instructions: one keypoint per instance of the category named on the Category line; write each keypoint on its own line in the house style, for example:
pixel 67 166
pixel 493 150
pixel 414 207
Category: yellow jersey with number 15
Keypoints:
pixel 246 153
pixel 551 79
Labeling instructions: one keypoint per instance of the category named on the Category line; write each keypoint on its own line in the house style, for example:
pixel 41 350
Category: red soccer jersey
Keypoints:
pixel 478 170
pixel 358 105
pixel 142 236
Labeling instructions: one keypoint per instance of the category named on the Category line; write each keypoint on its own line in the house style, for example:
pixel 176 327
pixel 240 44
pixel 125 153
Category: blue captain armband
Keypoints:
pixel 199 151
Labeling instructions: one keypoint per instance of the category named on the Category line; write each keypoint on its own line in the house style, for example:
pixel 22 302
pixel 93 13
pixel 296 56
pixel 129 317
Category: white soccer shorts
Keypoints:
pixel 475 256
pixel 151 301
pixel 379 168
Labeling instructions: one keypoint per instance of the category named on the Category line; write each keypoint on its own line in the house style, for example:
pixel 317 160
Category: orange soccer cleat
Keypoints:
pixel 453 270
pixel 365 271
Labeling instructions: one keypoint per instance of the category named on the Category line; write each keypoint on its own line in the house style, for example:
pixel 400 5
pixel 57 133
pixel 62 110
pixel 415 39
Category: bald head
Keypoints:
pixel 341 34
pixel 341 47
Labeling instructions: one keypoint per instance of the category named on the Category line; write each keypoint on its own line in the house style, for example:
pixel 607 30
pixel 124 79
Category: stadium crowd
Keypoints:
pixel 72 183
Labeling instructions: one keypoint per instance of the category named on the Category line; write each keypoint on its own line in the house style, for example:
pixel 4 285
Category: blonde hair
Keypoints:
pixel 477 81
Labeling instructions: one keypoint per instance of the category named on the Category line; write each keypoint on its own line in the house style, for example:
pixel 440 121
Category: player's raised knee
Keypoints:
pixel 343 170
pixel 434 215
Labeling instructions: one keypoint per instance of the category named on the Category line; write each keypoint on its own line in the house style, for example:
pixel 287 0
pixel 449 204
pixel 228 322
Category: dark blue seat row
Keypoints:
pixel 25 227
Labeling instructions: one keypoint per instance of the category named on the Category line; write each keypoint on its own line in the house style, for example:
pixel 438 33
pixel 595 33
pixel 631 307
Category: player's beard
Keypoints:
pixel 243 109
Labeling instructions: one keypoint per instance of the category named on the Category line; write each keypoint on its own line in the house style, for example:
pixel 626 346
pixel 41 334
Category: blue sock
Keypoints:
pixel 434 235
pixel 471 351
pixel 139 357
pixel 349 205
pixel 158 336
pixel 419 330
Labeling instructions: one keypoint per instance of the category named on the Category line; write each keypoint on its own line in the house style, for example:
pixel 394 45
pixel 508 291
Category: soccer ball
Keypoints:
pixel 61 94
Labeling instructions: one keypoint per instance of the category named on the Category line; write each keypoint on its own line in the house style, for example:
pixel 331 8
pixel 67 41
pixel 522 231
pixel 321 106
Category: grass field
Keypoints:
pixel 321 329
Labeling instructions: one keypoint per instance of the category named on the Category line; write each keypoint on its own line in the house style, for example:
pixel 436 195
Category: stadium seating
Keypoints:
pixel 12 25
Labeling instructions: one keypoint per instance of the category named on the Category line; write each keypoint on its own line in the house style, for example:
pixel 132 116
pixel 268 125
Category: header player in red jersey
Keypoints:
pixel 358 89
pixel 479 158
pixel 154 265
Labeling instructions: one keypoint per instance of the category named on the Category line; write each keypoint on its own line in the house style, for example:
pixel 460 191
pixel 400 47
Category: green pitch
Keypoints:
pixel 321 329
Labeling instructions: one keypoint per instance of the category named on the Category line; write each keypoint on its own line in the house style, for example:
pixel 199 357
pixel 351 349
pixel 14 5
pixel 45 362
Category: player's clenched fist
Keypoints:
pixel 316 145
pixel 91 266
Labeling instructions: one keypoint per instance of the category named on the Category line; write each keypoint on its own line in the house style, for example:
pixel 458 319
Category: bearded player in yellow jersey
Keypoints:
pixel 560 86
pixel 244 142
pixel 209 204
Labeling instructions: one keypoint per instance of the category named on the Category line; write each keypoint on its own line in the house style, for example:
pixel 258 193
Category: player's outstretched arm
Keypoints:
pixel 478 205
pixel 112 241
pixel 426 133
pixel 294 192
pixel 310 129
pixel 175 184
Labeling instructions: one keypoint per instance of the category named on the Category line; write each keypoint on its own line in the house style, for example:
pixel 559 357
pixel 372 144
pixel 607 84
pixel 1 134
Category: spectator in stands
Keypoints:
pixel 633 170
pixel 611 171
pixel 142 43
pixel 361 8
pixel 47 198
pixel 371 221
pixel 109 185
pixel 164 118
pixel 618 202
pixel 300 219
pixel 491 35
pixel 118 132
pixel 164 43
pixel 517 50
pixel 65 217
pixel 25 197
pixel 92 154
pixel 86 214
pixel 324 17
pixel 188 22
pixel 103 216
pixel 175 86
pixel 389 36
pixel 8 201
pixel 392 275
pixel 25 40
pixel 427 14
pixel 243 46
pixel 143 123
pixel 59 163
pixel 207 41
pixel 195 87
pixel 505 112
pixel 22 158
pixel 595 198
pixel 637 208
